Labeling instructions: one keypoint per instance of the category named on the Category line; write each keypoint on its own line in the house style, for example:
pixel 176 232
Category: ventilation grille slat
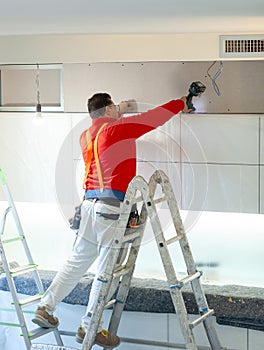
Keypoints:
pixel 244 46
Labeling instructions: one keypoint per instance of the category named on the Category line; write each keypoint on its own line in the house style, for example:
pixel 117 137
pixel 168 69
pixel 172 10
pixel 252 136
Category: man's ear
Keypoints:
pixel 107 110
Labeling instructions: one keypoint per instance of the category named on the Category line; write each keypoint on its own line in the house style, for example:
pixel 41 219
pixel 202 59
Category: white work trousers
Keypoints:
pixel 93 241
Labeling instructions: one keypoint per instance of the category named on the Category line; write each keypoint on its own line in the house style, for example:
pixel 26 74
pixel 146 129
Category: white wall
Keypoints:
pixel 215 161
pixel 107 48
pixel 44 171
pixel 111 48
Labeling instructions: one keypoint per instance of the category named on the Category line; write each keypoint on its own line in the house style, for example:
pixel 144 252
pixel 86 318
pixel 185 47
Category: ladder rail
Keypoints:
pixel 20 230
pixel 117 244
pixel 3 220
pixel 107 277
pixel 15 298
pixel 161 178
pixel 126 280
pixel 148 195
pixel 11 273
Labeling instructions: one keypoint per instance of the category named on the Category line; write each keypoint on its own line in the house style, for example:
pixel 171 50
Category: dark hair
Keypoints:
pixel 97 103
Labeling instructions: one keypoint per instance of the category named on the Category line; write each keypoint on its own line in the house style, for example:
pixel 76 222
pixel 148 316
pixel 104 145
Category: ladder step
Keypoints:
pixel 38 332
pixel 10 324
pixel 110 303
pixel 14 239
pixel 186 280
pixel 201 319
pixel 174 239
pixel 23 269
pixel 30 300
pixel 121 270
pixel 159 200
pixel 131 235
pixel 14 310
pixel 12 265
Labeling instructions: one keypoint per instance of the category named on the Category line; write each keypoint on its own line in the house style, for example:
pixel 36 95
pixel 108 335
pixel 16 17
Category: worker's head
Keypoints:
pixel 101 105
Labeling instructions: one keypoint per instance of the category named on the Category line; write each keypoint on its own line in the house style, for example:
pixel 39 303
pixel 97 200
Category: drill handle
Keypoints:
pixel 189 102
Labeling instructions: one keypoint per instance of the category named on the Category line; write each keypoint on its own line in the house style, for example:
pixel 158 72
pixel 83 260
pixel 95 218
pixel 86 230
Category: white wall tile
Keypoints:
pixel 79 123
pixel 162 144
pixel 228 188
pixel 255 340
pixel 261 192
pixel 29 152
pixel 220 138
pixel 172 170
pixel 262 139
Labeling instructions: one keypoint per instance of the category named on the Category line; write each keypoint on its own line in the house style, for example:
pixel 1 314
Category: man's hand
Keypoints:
pixel 185 109
pixel 127 106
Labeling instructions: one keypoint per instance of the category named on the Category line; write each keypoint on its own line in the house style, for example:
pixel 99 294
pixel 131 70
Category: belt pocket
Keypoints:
pixel 108 216
pixel 133 220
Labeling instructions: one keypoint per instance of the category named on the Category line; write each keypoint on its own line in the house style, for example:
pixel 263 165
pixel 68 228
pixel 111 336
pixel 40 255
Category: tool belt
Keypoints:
pixel 133 220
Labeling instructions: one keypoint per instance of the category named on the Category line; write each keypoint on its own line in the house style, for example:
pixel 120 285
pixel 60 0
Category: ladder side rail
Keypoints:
pixel 122 292
pixel 13 208
pixel 27 335
pixel 120 232
pixel 21 233
pixel 123 289
pixel 101 301
pixel 13 291
pixel 107 277
pixel 3 221
pixel 161 178
pixel 167 189
pixel 58 336
pixel 176 294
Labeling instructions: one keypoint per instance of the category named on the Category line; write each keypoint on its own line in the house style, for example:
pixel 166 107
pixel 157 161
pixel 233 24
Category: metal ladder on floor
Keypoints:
pixel 119 270
pixel 11 273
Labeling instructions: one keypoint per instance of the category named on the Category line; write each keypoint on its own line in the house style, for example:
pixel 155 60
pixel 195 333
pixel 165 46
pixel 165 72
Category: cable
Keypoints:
pixel 38 90
pixel 219 71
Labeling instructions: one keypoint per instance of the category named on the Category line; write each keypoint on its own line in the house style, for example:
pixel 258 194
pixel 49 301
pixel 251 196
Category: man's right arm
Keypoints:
pixel 144 122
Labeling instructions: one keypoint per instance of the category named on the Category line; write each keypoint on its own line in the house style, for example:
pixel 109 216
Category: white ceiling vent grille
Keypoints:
pixel 242 45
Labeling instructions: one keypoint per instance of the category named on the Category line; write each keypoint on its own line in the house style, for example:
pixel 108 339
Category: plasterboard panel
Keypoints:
pixel 153 83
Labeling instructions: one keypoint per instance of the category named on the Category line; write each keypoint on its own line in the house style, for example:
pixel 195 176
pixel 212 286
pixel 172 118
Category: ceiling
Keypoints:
pixel 130 17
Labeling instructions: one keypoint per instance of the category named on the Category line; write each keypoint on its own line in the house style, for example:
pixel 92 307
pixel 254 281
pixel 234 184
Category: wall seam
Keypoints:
pixel 259 167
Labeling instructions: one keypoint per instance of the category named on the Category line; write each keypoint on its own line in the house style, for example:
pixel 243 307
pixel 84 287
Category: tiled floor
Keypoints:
pixel 145 326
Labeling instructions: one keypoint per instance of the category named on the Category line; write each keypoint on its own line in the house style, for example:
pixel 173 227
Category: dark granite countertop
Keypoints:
pixel 234 305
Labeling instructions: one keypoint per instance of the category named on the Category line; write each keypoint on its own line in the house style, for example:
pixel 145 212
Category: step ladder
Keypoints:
pixel 11 272
pixel 120 268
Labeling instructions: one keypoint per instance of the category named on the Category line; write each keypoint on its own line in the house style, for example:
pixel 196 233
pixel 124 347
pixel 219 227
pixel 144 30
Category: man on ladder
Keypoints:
pixel 109 152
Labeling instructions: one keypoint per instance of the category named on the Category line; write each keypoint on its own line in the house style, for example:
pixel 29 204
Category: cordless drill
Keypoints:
pixel 196 89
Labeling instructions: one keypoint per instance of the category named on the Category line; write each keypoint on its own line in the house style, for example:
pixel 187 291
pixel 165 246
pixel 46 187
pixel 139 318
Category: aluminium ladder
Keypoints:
pixel 11 273
pixel 118 274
